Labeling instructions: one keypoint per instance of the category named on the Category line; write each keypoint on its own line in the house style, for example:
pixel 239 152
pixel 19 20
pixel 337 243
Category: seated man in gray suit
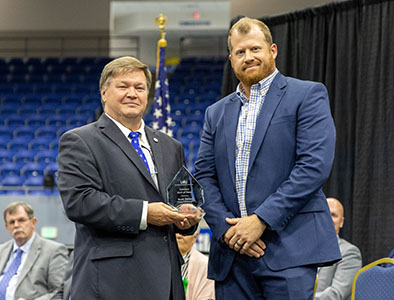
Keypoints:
pixel 31 267
pixel 335 282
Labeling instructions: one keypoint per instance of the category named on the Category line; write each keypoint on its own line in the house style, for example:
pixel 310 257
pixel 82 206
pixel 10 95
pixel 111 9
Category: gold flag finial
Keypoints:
pixel 161 21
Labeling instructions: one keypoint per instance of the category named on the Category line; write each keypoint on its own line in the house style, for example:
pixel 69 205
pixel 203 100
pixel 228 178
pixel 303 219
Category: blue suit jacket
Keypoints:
pixel 290 159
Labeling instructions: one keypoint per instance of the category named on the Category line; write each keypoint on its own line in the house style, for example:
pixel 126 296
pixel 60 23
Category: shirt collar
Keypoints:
pixel 26 247
pixel 240 91
pixel 127 131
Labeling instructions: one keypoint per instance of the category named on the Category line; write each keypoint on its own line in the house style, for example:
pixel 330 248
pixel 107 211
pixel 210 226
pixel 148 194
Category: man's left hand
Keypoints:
pixel 244 232
pixel 190 219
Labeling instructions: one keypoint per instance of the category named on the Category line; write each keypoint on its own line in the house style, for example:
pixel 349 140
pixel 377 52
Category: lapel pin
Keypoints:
pixel 155 140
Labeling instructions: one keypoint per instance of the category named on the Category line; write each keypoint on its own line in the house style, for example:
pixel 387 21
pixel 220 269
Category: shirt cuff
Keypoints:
pixel 144 216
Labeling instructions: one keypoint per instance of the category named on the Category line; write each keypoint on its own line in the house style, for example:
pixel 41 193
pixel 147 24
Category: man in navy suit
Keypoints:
pixel 266 150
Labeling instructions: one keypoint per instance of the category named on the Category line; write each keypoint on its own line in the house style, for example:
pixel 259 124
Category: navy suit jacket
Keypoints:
pixel 290 159
pixel 103 183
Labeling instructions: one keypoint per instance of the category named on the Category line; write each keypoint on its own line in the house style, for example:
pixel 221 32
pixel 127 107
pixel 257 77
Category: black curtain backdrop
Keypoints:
pixel 349 46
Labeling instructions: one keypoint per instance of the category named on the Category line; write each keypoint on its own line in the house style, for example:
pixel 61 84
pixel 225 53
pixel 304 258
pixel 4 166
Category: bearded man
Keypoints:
pixel 265 152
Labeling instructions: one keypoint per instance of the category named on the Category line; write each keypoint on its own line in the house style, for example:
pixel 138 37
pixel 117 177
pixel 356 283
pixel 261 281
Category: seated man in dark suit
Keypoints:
pixel 335 282
pixel 31 267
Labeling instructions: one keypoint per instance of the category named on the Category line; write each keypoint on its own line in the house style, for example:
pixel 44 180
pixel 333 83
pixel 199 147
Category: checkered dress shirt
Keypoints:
pixel 246 125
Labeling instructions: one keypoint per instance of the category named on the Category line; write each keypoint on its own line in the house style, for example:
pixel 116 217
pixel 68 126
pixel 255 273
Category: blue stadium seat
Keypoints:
pixel 92 99
pixel 37 180
pixel 40 143
pixel 13 180
pixel 36 120
pixel 33 169
pixel 46 156
pixel 6 155
pixel 28 109
pixel 9 108
pixel 57 120
pixel 53 99
pixel 24 156
pixel 15 120
pixel 24 88
pixel 6 131
pixel 73 99
pixel 4 140
pixel 43 88
pixel 51 168
pixel 88 108
pixel 25 131
pixel 67 109
pixel 19 143
pixel 79 120
pixel 17 78
pixel 47 109
pixel 48 130
pixel 34 99
pixel 11 98
pixel 10 168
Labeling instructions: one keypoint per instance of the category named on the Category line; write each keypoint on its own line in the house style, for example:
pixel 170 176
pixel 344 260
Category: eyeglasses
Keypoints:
pixel 20 221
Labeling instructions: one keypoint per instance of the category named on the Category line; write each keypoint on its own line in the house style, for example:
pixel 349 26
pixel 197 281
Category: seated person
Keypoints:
pixel 31 267
pixel 335 282
pixel 195 269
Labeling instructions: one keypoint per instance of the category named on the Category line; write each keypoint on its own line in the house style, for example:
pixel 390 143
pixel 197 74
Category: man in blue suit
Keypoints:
pixel 266 150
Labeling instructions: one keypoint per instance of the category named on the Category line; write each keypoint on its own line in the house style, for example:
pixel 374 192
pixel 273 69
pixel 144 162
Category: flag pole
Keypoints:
pixel 161 106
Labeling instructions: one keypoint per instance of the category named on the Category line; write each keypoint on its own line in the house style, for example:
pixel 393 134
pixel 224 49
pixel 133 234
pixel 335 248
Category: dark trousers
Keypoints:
pixel 249 279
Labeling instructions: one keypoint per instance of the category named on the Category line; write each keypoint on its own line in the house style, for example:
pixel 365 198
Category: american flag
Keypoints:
pixel 161 107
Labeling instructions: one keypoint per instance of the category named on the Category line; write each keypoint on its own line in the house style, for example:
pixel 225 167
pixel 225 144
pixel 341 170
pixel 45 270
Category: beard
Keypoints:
pixel 251 77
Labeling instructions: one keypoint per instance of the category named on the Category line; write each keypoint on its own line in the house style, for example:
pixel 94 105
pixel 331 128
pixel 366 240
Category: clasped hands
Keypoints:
pixel 161 214
pixel 244 235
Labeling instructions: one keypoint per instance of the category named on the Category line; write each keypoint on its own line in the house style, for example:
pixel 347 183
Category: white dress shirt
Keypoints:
pixel 12 284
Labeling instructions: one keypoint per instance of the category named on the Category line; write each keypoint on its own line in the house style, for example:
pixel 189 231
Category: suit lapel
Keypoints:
pixel 31 258
pixel 156 145
pixel 271 102
pixel 231 114
pixel 5 254
pixel 112 131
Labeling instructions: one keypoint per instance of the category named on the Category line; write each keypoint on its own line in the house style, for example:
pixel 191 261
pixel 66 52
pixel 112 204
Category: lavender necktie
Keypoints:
pixel 13 268
pixel 136 144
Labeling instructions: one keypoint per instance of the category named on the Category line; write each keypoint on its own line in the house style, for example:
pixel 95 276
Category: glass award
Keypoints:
pixel 185 193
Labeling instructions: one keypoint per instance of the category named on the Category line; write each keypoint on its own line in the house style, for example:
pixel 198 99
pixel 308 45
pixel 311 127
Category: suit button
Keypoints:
pixel 132 228
pixel 165 238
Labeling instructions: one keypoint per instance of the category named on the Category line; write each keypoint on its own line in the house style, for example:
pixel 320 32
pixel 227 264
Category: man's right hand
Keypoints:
pixel 161 214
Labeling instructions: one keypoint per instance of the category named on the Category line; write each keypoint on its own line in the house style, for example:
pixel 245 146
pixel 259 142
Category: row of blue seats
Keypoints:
pixel 39 90
pixel 58 97
pixel 49 78
pixel 69 104
pixel 31 155
pixel 46 133
pixel 29 190
pixel 66 118
pixel 37 143
pixel 55 61
pixel 27 169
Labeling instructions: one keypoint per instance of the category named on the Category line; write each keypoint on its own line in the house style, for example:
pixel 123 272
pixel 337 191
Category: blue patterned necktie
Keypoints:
pixel 136 144
pixel 13 268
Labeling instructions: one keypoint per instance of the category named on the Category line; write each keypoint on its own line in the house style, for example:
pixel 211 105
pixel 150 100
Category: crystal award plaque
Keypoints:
pixel 185 193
